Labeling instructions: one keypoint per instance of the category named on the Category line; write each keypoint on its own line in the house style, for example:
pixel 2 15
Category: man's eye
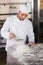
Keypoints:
pixel 22 14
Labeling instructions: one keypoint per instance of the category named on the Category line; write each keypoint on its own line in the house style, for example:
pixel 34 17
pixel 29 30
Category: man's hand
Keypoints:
pixel 12 35
pixel 31 44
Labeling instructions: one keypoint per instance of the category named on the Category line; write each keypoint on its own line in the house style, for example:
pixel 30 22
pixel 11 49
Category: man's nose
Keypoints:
pixel 23 17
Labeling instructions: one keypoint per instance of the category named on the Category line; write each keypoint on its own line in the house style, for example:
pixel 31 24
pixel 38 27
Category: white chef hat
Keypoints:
pixel 24 8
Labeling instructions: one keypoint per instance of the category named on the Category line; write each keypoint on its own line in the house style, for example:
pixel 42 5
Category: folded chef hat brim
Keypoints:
pixel 24 8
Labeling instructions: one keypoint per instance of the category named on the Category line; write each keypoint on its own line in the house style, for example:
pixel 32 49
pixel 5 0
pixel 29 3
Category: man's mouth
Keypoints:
pixel 21 19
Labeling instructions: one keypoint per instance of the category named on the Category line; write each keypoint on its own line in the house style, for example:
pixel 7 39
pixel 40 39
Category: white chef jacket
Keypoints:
pixel 19 28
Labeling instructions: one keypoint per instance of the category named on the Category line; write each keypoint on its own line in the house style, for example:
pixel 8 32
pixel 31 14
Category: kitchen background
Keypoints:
pixel 8 7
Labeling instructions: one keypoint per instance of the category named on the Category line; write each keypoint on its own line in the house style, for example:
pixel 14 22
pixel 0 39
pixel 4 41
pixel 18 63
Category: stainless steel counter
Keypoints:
pixel 35 57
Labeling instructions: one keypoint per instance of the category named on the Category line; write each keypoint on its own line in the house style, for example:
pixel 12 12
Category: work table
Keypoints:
pixel 36 55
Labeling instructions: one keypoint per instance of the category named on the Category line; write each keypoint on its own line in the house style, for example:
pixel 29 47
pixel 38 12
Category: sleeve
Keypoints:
pixel 5 29
pixel 31 33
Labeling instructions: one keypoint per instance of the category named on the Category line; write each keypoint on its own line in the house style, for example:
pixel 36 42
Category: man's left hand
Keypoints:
pixel 31 44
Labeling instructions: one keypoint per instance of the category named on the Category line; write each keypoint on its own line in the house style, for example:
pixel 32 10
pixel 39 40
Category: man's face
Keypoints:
pixel 22 15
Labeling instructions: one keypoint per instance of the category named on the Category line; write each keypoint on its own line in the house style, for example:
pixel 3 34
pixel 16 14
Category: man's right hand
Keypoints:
pixel 12 35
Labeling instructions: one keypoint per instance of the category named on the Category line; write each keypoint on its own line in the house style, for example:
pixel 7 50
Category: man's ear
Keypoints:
pixel 19 11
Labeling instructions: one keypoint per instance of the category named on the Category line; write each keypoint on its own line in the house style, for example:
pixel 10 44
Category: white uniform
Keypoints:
pixel 19 28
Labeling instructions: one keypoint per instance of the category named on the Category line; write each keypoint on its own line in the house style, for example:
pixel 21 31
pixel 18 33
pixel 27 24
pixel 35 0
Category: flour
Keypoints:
pixel 19 50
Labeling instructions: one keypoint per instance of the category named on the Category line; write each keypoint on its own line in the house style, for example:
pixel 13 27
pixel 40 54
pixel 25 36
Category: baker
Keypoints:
pixel 17 27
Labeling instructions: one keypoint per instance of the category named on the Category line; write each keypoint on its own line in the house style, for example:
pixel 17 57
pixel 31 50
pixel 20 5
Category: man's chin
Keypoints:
pixel 21 19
